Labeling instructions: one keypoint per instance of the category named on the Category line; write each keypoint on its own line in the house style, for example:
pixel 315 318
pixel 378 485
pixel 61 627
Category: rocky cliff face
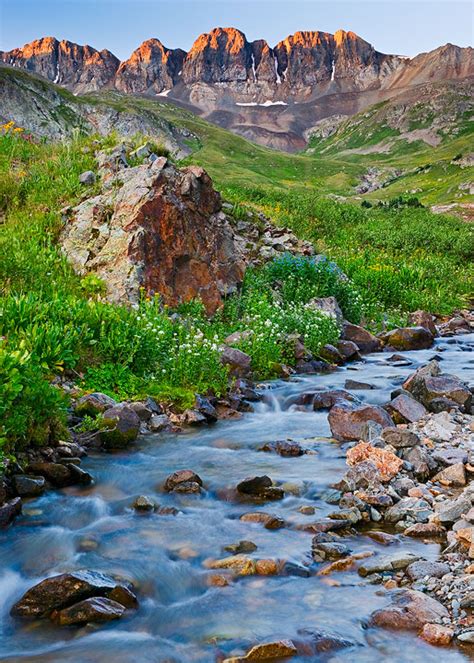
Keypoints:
pixel 152 68
pixel 78 68
pixel 270 95
pixel 309 62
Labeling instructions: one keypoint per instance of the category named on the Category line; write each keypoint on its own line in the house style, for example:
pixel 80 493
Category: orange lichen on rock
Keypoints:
pixel 387 463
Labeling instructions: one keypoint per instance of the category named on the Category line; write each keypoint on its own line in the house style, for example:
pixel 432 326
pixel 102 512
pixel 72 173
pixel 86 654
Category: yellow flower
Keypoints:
pixel 18 130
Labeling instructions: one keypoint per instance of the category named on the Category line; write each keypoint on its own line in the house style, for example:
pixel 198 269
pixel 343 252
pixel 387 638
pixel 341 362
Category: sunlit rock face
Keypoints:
pixel 79 68
pixel 151 68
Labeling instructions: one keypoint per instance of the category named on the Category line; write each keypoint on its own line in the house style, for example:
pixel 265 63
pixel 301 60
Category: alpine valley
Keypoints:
pixel 270 95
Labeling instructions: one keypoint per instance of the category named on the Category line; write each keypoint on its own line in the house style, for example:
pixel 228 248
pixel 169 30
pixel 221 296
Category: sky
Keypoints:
pixel 404 27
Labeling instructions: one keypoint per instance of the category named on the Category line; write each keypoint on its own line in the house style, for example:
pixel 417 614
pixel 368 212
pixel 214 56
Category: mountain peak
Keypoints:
pixel 229 39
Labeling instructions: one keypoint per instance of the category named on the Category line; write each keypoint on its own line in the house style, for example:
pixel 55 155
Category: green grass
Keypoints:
pixel 400 259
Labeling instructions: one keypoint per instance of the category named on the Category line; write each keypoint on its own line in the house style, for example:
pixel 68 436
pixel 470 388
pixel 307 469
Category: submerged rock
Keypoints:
pixel 9 511
pixel 261 487
pixel 287 449
pixel 267 652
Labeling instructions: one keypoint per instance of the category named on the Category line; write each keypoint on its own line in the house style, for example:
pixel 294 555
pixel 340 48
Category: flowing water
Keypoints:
pixel 180 617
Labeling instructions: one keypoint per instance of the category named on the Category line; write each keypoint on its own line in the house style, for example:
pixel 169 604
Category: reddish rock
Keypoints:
pixel 404 410
pixel 421 530
pixel 239 362
pixel 266 519
pixel 166 235
pixel 347 420
pixel 365 341
pixel 454 475
pixel 410 610
pixel 348 349
pixel 432 388
pixel 267 651
pixel 79 68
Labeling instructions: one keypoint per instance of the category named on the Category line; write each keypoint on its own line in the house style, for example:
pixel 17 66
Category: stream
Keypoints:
pixel 181 618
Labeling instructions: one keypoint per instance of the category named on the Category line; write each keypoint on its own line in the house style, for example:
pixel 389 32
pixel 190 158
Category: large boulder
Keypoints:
pixel 159 229
pixel 365 341
pixel 347 420
pixel 121 426
pixel 438 391
pixel 409 338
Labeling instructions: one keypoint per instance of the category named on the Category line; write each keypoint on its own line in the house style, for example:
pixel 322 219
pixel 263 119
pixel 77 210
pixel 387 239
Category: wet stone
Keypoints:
pixel 286 449
pixel 61 591
pixel 143 503
pixel 28 486
pixel 93 610
pixel 320 642
pixel 187 477
pixel 9 511
pixel 382 563
pixel 329 551
pixel 267 652
pixel 261 487
pixel 356 385
pixel 268 520
pixel 241 547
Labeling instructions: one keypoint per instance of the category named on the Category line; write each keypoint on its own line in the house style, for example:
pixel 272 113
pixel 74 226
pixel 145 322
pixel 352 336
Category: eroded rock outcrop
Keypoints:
pixel 159 229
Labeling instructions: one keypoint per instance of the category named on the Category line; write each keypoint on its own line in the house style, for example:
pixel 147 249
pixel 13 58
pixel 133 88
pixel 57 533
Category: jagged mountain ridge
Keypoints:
pixel 267 94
